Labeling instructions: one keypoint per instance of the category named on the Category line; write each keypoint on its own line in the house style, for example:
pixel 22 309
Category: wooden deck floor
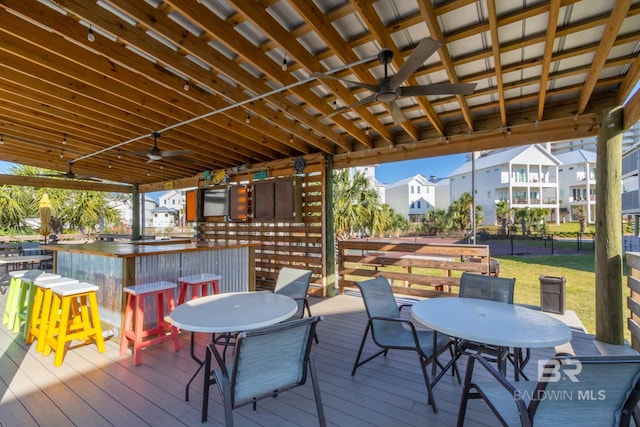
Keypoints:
pixel 102 389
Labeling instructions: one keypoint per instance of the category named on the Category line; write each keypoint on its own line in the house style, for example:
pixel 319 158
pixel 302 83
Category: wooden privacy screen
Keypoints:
pixel 425 270
pixel 290 240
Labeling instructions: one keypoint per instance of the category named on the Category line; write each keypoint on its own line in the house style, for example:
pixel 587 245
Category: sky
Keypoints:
pixel 441 167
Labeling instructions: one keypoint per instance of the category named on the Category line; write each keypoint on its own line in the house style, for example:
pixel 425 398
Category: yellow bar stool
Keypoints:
pixel 41 307
pixel 74 316
pixel 10 306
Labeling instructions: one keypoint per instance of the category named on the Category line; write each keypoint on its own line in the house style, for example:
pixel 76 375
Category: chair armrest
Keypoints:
pixel 401 306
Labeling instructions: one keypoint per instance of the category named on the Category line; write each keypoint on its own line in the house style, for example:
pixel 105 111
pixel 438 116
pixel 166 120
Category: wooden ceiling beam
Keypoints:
pixel 31 181
pixel 554 12
pixel 497 61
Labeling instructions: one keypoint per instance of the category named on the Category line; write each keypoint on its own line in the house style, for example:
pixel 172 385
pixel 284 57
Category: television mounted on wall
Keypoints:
pixel 215 202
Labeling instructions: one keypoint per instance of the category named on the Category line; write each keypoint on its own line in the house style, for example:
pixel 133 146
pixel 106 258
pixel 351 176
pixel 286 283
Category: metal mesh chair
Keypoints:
pixel 390 331
pixel 267 362
pixel 590 391
pixel 499 289
pixel 294 283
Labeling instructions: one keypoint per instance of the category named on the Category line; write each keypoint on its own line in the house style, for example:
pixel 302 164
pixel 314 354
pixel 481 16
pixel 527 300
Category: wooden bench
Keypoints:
pixel 424 270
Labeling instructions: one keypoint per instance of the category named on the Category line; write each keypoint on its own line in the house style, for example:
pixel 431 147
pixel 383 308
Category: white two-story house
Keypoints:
pixel 524 177
pixel 411 197
pixel 577 177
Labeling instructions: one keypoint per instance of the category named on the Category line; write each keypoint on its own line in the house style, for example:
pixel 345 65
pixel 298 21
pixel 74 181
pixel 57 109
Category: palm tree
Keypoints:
pixel 502 212
pixel 356 205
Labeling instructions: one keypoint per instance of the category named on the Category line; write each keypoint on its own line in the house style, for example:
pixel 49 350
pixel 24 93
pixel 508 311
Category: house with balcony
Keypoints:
pixel 577 178
pixel 524 177
pixel 411 197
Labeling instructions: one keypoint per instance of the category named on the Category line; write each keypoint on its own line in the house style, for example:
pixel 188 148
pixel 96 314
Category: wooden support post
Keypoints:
pixel 329 255
pixel 608 248
pixel 135 213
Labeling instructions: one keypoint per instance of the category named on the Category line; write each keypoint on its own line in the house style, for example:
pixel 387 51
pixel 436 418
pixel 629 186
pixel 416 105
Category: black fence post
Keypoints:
pixel 552 244
pixel 511 236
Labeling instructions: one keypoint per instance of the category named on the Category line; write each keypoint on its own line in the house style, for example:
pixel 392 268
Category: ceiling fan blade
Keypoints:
pixel 373 88
pixel 363 101
pixel 174 153
pixel 396 113
pixel 438 89
pixel 424 50
pixel 143 153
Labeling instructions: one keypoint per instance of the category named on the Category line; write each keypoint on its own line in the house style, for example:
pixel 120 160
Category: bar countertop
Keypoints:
pixel 131 249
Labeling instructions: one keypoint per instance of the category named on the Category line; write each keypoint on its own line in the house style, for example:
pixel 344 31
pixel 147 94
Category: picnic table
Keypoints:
pixel 23 260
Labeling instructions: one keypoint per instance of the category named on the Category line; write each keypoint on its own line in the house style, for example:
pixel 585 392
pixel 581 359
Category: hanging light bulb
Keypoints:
pixel 148 173
pixel 64 139
pixel 366 131
pixel 248 119
pixel 291 138
pixel 1 139
pixel 90 36
pixel 186 85
pixel 61 153
pixel 109 164
pixel 119 154
pixel 284 62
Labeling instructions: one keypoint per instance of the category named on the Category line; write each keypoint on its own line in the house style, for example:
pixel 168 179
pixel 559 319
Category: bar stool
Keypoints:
pixel 39 314
pixel 11 305
pixel 23 299
pixel 199 285
pixel 133 328
pixel 74 316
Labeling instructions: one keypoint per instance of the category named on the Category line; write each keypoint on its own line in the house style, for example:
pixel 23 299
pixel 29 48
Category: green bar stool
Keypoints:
pixel 26 298
pixel 17 296
pixel 41 287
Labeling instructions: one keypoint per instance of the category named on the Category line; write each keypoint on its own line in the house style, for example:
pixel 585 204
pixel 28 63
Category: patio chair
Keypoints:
pixel 294 283
pixel 390 331
pixel 499 289
pixel 589 391
pixel 291 282
pixel 267 362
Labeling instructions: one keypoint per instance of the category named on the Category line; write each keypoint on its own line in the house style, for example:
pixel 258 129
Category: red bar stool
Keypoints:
pixel 200 285
pixel 133 329
pixel 74 316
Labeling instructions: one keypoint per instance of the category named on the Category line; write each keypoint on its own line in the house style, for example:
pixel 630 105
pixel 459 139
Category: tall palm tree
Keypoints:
pixel 502 212
pixel 356 205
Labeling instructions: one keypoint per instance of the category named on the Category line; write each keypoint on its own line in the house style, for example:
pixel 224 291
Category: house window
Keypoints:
pixel 412 189
pixel 418 204
pixel 412 205
pixel 418 189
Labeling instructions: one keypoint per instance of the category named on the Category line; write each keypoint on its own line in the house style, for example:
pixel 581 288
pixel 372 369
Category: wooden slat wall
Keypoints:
pixel 633 300
pixel 361 260
pixel 280 244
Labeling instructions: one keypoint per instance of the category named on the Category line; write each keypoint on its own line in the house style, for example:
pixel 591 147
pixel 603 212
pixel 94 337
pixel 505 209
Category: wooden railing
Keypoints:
pixel 633 301
pixel 425 270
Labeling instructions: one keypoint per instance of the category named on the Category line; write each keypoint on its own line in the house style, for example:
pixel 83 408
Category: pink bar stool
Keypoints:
pixel 133 329
pixel 199 285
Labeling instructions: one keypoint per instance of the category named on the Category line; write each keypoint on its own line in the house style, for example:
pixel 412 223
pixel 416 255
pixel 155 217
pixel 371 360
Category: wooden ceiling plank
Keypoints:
pixel 445 57
pixel 147 16
pixel 554 12
pixel 619 12
pixel 497 61
pixel 299 55
pixel 629 82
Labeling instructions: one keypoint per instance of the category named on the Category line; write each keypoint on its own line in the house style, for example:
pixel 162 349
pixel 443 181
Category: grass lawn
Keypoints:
pixel 579 270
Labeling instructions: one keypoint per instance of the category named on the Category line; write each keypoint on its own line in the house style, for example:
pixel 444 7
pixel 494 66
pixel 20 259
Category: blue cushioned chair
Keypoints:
pixel 391 332
pixel 586 391
pixel 267 362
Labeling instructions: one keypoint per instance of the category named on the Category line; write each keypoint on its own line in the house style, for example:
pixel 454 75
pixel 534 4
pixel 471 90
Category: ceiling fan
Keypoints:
pixel 154 153
pixel 69 174
pixel 388 89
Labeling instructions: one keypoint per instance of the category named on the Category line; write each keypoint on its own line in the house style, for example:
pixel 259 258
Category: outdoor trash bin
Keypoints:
pixel 552 294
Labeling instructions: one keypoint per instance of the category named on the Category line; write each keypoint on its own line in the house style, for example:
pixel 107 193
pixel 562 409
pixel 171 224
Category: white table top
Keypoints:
pixel 233 312
pixel 490 322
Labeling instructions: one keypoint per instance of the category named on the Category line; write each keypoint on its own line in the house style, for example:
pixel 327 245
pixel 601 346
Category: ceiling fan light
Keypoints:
pixel 155 156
